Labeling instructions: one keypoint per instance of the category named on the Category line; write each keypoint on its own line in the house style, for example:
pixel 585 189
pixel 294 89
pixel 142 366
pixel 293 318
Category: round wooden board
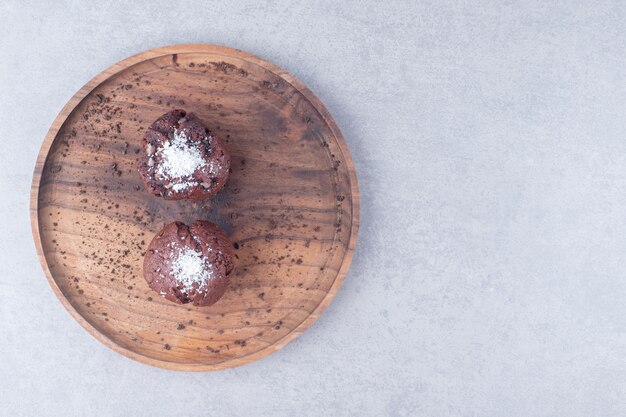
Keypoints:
pixel 291 207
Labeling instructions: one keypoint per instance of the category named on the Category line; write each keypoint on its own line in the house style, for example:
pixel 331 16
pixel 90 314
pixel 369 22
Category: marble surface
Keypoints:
pixel 490 143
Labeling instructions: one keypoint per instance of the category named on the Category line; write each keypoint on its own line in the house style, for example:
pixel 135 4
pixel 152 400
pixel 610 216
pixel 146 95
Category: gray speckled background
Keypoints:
pixel 490 143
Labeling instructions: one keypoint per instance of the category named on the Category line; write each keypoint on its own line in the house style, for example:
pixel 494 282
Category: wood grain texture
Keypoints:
pixel 291 206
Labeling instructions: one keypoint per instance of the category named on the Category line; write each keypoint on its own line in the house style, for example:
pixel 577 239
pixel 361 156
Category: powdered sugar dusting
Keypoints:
pixel 212 168
pixel 182 185
pixel 190 267
pixel 179 159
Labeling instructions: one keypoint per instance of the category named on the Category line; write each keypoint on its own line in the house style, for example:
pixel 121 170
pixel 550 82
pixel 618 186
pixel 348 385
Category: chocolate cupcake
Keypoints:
pixel 182 159
pixel 189 264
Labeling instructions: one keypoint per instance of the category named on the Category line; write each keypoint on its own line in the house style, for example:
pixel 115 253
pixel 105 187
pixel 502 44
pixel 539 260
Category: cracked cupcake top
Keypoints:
pixel 182 159
pixel 189 264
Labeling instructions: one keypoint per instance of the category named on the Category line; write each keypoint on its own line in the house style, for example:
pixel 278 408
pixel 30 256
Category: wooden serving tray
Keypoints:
pixel 291 207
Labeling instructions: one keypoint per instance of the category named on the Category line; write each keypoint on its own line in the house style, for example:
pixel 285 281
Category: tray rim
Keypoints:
pixel 122 65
